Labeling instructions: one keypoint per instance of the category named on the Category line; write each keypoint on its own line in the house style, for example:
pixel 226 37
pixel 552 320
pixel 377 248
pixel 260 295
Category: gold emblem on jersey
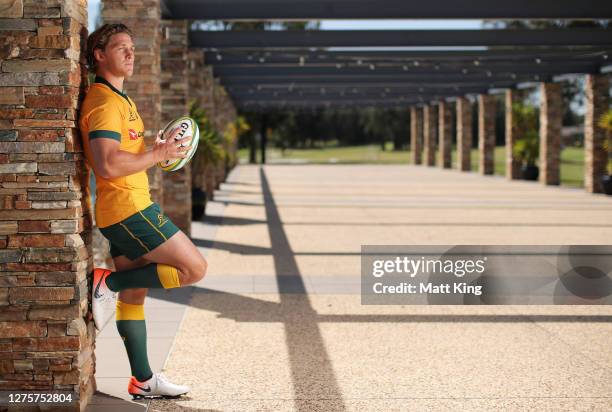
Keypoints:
pixel 162 220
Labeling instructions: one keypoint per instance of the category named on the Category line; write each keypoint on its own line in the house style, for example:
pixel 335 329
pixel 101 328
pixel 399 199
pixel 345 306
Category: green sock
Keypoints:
pixel 153 275
pixel 133 330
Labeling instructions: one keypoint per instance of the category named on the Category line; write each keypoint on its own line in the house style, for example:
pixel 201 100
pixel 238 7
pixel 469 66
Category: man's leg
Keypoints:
pixel 130 321
pixel 132 328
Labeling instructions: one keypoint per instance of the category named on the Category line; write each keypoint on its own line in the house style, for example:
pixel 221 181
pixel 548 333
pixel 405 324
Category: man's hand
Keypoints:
pixel 165 150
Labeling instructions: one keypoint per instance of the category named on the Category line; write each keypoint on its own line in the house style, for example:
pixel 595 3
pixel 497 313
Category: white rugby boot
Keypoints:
pixel 103 300
pixel 156 387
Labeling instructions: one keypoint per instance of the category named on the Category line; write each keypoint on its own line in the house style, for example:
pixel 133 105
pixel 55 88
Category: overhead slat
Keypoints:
pixel 385 9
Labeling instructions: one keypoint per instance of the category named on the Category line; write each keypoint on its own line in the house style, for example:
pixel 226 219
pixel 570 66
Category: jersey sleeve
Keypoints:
pixel 105 122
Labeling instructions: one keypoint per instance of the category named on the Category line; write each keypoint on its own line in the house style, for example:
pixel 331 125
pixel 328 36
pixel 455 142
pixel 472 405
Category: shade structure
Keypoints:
pixel 384 9
pixel 339 67
pixel 399 38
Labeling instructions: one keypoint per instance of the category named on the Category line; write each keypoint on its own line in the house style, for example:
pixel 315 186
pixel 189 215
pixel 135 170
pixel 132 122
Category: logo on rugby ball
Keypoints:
pixel 187 127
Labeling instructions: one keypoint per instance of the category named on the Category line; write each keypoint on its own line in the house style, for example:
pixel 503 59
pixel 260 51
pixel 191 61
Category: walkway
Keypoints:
pixel 277 323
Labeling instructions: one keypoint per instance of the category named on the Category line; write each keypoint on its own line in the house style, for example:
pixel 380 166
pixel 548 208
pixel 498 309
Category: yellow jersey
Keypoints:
pixel 108 113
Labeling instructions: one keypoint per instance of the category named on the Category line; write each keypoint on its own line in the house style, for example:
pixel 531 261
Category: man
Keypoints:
pixel 148 250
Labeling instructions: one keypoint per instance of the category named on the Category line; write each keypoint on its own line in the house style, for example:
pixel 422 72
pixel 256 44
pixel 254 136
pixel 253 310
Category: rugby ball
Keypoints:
pixel 187 127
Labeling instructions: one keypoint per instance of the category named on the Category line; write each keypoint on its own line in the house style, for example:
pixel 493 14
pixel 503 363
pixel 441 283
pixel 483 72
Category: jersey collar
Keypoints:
pixel 100 79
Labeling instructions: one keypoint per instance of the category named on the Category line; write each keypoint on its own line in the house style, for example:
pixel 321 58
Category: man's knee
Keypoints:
pixel 194 272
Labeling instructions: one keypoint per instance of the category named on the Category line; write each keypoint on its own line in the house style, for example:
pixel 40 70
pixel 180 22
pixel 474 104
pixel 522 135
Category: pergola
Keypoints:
pixel 416 69
pixel 261 69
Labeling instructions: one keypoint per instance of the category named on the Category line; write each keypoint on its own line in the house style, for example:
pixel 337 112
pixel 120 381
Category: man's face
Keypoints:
pixel 118 56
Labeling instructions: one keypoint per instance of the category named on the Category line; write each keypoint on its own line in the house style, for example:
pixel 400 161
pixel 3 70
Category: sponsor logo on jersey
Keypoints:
pixel 133 134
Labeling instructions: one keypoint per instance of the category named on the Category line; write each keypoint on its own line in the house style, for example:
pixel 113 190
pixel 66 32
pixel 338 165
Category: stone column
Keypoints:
pixel 46 342
pixel 596 157
pixel 416 134
pixel 429 135
pixel 464 134
pixel 445 118
pixel 174 94
pixel 196 93
pixel 143 17
pixel 551 116
pixel 225 117
pixel 513 166
pixel 486 134
pixel 208 103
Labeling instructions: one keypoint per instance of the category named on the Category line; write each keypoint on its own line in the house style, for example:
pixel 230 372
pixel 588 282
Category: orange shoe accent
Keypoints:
pixel 99 276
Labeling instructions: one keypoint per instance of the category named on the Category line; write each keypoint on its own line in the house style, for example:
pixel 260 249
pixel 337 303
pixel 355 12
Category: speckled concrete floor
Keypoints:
pixel 277 324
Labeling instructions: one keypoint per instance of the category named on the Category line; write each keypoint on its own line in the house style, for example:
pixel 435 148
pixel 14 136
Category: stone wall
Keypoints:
pixel 45 215
pixel 143 17
pixel 551 116
pixel 513 166
pixel 197 92
pixel 224 119
pixel 416 134
pixel 429 135
pixel 596 157
pixel 174 96
pixel 464 134
pixel 445 117
pixel 486 134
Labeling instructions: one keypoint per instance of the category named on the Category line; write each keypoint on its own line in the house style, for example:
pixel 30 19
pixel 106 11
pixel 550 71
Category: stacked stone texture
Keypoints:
pixel 464 134
pixel 45 216
pixel 174 96
pixel 225 117
pixel 445 117
pixel 196 93
pixel 486 134
pixel 416 135
pixel 513 166
pixel 596 156
pixel 429 135
pixel 551 117
pixel 143 17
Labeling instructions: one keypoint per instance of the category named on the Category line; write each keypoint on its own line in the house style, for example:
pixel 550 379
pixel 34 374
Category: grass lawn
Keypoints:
pixel 572 158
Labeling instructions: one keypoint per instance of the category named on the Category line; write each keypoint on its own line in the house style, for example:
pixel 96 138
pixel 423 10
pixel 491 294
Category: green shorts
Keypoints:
pixel 140 233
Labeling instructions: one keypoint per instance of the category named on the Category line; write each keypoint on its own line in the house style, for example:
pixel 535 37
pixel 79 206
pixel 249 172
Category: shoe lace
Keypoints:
pixel 162 378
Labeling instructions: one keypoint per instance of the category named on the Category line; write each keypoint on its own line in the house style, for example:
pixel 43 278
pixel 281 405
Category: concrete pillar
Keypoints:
pixel 445 118
pixel 416 134
pixel 486 134
pixel 513 166
pixel 143 17
pixel 429 135
pixel 596 157
pixel 46 341
pixel 464 134
pixel 551 117
pixel 174 95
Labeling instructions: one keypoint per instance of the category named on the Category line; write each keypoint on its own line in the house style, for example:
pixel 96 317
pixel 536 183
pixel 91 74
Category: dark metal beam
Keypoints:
pixel 307 57
pixel 400 38
pixel 387 9
pixel 444 69
pixel 406 79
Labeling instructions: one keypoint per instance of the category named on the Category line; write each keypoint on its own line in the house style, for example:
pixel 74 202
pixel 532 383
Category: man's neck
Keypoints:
pixel 117 82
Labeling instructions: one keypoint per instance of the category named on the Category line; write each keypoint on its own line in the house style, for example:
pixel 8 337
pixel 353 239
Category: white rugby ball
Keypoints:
pixel 188 127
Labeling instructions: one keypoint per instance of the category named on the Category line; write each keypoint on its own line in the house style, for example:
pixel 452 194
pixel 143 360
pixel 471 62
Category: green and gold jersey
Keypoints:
pixel 107 113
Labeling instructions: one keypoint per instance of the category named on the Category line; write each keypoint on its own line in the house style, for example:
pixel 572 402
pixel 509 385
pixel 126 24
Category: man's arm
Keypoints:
pixel 110 162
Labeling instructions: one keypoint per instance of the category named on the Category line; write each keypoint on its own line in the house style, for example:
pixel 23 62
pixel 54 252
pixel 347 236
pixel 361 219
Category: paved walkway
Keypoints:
pixel 277 323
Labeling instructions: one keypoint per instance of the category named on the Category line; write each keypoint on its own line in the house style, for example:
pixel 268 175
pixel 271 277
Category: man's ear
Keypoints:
pixel 99 55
